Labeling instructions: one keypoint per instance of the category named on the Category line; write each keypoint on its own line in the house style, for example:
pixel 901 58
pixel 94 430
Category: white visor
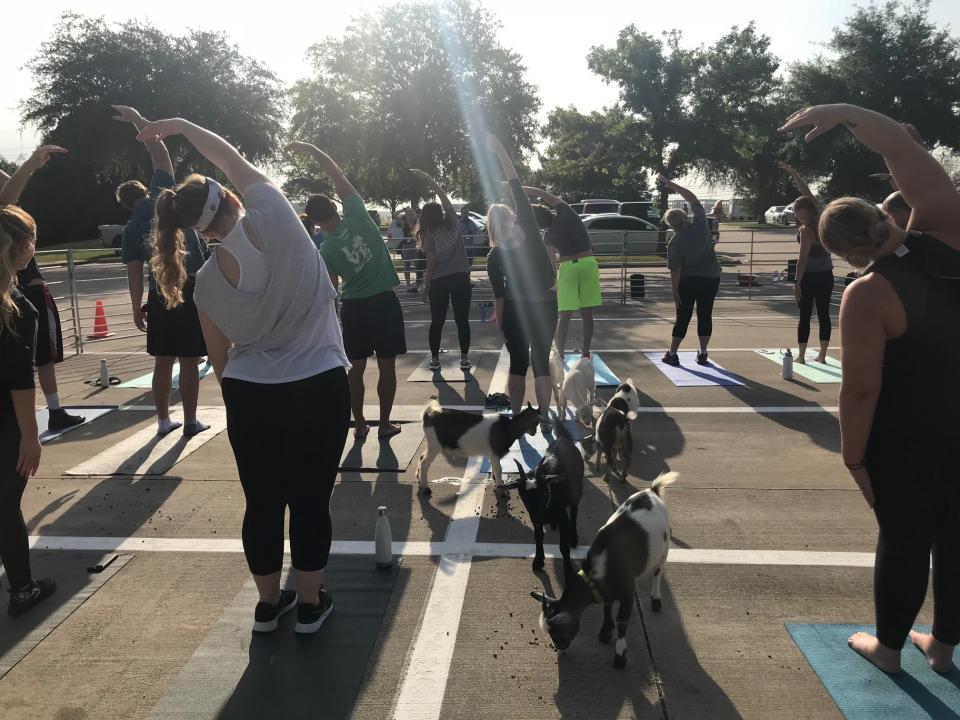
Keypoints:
pixel 211 206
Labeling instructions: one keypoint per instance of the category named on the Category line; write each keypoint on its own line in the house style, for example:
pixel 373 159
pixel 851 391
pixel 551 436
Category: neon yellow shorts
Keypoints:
pixel 578 284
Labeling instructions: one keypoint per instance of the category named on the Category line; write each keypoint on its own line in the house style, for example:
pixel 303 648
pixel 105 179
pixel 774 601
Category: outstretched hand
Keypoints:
pixel 786 167
pixel 128 114
pixel 664 180
pixel 823 118
pixel 159 129
pixel 493 143
pixel 40 156
pixel 423 175
pixel 298 146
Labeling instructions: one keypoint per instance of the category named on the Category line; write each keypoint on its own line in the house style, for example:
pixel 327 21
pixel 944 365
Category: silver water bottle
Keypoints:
pixel 104 375
pixel 787 371
pixel 383 539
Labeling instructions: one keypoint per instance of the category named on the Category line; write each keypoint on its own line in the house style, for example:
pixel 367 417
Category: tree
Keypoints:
pixel 656 79
pixel 88 64
pixel 887 57
pixel 593 156
pixel 414 85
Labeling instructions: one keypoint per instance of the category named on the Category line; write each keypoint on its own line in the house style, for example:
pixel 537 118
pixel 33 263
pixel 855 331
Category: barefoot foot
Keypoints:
pixel 822 359
pixel 880 655
pixel 939 656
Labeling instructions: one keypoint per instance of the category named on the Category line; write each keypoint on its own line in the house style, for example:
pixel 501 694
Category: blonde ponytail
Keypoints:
pixel 17 227
pixel 169 250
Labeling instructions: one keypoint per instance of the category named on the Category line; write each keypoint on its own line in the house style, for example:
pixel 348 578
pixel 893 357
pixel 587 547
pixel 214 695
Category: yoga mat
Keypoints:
pixel 90 412
pixel 689 374
pixel 449 369
pixel 19 635
pixel 237 674
pixel 529 449
pixel 390 455
pixel 146 381
pixel 603 375
pixel 146 453
pixel 862 692
pixel 815 372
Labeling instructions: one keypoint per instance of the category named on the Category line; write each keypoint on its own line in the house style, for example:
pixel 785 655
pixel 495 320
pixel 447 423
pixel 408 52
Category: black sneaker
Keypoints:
pixel 61 420
pixel 311 617
pixel 702 358
pixel 23 600
pixel 670 358
pixel 266 616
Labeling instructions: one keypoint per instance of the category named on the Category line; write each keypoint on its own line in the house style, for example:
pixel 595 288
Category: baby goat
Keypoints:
pixel 456 432
pixel 551 495
pixel 556 376
pixel 612 438
pixel 632 546
pixel 579 389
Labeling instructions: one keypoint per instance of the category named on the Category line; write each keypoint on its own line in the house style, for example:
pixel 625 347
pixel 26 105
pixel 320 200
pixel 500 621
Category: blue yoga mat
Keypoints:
pixel 603 375
pixel 529 449
pixel 146 381
pixel 862 692
pixel 689 374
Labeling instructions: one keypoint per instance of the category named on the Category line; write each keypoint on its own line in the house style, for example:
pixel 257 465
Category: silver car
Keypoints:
pixel 608 233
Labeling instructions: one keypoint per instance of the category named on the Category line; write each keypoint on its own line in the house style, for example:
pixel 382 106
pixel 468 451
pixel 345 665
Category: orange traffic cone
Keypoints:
pixel 100 329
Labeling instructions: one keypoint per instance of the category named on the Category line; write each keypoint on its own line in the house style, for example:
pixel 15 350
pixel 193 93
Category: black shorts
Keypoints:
pixel 175 332
pixel 373 326
pixel 49 334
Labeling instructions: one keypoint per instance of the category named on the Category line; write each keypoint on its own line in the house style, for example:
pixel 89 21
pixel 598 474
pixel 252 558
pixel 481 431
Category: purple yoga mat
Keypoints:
pixel 689 374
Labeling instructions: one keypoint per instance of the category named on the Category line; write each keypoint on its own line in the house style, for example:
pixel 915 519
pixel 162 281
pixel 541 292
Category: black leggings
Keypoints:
pixel 288 439
pixel 815 287
pixel 699 292
pixel 528 327
pixel 14 546
pixel 455 288
pixel 917 504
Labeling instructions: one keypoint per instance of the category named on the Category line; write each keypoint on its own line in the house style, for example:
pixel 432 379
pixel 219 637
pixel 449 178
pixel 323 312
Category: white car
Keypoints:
pixel 774 214
pixel 787 217
pixel 608 231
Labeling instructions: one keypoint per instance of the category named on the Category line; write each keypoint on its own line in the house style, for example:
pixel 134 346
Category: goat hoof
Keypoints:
pixel 425 491
pixel 620 662
pixel 656 604
pixel 501 492
pixel 605 638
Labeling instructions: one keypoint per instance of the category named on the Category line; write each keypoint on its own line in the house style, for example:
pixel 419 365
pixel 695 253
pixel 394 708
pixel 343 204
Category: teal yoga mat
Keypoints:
pixel 815 372
pixel 146 381
pixel 602 374
pixel 862 692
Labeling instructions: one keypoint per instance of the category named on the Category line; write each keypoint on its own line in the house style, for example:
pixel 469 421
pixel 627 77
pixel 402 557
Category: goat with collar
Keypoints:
pixel 612 439
pixel 632 546
pixel 457 432
pixel 551 494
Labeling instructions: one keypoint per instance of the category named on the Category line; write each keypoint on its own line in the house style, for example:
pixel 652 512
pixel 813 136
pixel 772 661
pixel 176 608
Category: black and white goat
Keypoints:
pixel 456 432
pixel 551 494
pixel 611 438
pixel 632 546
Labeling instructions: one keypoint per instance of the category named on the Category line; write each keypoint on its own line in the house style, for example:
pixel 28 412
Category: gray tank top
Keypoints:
pixel 818 260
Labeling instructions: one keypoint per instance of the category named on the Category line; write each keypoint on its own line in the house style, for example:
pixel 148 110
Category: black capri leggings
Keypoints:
pixel 917 504
pixel 443 290
pixel 815 287
pixel 699 292
pixel 528 328
pixel 14 545
pixel 288 439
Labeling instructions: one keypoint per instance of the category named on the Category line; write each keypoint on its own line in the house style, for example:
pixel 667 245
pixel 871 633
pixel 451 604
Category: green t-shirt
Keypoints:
pixel 356 252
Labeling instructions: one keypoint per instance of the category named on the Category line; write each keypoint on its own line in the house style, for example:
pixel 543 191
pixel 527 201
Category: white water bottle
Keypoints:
pixel 383 539
pixel 104 375
pixel 787 365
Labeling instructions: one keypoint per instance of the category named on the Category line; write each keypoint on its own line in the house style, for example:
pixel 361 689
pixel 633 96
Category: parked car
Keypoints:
pixel 774 214
pixel 595 207
pixel 608 230
pixel 111 236
pixel 577 207
pixel 787 217
pixel 643 209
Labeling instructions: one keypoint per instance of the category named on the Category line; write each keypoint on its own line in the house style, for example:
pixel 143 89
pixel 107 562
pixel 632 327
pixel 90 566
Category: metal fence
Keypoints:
pixel 633 270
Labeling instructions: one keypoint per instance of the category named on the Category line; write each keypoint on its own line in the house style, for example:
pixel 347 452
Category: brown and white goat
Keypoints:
pixel 632 546
pixel 612 439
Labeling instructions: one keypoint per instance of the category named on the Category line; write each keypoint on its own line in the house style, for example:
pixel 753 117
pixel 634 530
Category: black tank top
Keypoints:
pixel 920 397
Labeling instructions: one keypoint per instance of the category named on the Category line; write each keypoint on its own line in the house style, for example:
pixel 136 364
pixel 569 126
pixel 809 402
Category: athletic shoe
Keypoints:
pixel 266 616
pixel 495 400
pixel 61 420
pixel 670 358
pixel 311 617
pixel 435 363
pixel 23 600
pixel 465 364
pixel 702 358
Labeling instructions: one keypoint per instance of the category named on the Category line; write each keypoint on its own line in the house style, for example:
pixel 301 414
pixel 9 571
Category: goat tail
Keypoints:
pixel 660 484
pixel 432 408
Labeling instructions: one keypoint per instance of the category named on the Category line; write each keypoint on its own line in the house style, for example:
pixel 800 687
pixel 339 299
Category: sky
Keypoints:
pixel 553 38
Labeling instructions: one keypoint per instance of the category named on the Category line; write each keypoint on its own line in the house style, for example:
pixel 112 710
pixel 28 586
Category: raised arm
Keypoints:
pixel 240 172
pixel 329 167
pixel 13 188
pixel 545 197
pixel 448 210
pixel 506 164
pixel 3 178
pixel 678 189
pixel 925 185
pixel 159 155
pixel 798 181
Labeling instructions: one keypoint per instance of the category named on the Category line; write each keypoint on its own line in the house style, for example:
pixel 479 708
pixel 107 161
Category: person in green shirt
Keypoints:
pixel 354 251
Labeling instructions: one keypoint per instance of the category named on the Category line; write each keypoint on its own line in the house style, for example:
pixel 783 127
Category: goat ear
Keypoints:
pixel 529 405
pixel 523 474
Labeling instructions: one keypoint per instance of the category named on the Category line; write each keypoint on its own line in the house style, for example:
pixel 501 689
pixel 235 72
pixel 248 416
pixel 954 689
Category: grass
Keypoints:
pixel 754 226
pixel 84 251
